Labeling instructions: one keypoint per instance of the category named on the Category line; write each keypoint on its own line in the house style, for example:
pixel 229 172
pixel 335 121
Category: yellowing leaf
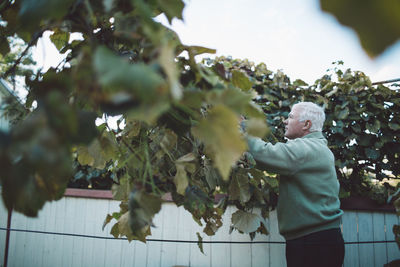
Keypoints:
pixel 257 127
pixel 186 158
pixel 84 157
pixel 219 132
pixel 59 39
pixel 168 141
pixel 236 100
pixel 241 80
pixel 166 59
pixel 124 228
pixel 180 179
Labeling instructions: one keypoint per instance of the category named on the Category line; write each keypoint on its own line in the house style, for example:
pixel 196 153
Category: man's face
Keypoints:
pixel 293 127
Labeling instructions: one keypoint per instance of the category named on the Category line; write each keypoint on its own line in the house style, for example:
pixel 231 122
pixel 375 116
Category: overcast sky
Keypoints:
pixel 292 35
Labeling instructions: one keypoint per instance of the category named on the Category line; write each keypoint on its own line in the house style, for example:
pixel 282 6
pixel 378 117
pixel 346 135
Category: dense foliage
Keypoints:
pixel 178 120
pixel 362 121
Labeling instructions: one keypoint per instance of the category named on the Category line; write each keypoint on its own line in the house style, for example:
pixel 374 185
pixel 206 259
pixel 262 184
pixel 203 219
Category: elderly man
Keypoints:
pixel 308 207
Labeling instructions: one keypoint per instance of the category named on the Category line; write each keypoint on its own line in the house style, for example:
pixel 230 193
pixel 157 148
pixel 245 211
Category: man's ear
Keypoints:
pixel 307 125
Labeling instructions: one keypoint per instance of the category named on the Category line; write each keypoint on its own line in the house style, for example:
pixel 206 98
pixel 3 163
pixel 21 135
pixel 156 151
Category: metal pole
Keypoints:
pixel 7 237
pixel 387 81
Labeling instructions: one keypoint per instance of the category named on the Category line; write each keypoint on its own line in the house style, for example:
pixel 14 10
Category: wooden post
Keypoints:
pixel 7 237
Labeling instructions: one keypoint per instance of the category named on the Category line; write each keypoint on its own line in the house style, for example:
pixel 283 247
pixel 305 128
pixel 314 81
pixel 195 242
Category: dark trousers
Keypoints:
pixel 322 249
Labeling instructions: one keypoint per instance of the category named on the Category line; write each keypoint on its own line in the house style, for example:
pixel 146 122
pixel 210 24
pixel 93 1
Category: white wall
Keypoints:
pixel 85 216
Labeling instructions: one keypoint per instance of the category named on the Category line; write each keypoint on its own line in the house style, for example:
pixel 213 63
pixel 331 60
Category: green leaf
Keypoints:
pixel 343 113
pixel 108 4
pixel 59 38
pixel 118 74
pixel 107 220
pixel 36 166
pixel 239 188
pixel 132 128
pixel 200 242
pixel 4 46
pixel 220 133
pixel 299 83
pixel 142 208
pixel 210 174
pixel 241 80
pixel 136 88
pixel 362 16
pixel 197 202
pixel 246 222
pixel 122 190
pixel 373 128
pixel 198 50
pixel 364 140
pixel 32 12
pixel 86 129
pixel 372 153
pixel 172 8
pixel 394 126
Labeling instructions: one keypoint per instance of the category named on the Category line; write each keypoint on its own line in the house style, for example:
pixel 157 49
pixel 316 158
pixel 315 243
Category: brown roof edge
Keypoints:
pixel 350 203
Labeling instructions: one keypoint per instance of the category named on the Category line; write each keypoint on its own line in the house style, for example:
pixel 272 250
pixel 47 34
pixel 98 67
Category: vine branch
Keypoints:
pixel 12 69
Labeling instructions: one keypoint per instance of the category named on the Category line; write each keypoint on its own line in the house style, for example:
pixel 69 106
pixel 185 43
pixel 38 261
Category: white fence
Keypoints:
pixel 84 216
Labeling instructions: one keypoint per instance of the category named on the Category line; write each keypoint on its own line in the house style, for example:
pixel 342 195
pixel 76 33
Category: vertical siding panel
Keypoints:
pixel 30 239
pixel 350 234
pixel 12 241
pixel 99 247
pixel 127 253
pixel 277 251
pixel 240 253
pixel 184 225
pixel 140 254
pixel 170 232
pixel 60 216
pixel 39 224
pixel 260 252
pixel 49 214
pixel 18 252
pixel 196 257
pixel 68 241
pixel 3 224
pixel 85 216
pixel 91 222
pixel 113 246
pixel 380 253
pixel 366 233
pixel 78 228
pixel 221 253
pixel 393 251
pixel 154 247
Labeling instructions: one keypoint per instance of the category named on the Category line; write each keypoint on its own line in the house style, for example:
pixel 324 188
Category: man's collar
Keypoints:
pixel 314 135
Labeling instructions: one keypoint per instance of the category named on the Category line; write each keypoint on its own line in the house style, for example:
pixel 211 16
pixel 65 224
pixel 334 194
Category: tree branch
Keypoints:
pixel 13 68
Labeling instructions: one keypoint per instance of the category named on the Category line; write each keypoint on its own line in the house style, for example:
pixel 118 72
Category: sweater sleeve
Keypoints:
pixel 281 158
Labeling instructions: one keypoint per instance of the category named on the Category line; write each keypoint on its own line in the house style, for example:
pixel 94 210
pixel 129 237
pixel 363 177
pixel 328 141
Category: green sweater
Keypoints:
pixel 308 188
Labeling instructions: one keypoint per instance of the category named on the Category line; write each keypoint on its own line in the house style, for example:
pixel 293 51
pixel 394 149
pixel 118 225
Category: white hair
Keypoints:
pixel 312 112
